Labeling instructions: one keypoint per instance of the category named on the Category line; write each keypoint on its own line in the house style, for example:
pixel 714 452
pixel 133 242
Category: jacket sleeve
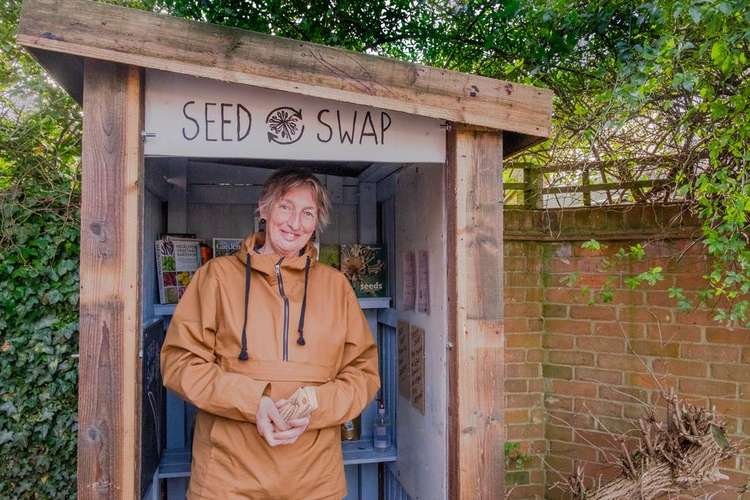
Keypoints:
pixel 187 356
pixel 358 380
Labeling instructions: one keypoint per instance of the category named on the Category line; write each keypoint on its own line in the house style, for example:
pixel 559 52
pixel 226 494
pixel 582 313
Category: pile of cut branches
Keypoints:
pixel 673 456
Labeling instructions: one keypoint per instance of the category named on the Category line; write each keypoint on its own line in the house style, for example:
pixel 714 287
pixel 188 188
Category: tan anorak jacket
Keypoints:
pixel 200 361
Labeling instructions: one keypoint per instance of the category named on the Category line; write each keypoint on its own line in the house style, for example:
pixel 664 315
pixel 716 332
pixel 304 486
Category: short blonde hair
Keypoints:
pixel 284 180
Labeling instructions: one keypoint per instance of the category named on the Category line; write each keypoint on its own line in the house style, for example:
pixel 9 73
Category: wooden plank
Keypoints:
pixel 176 177
pixel 92 29
pixel 474 201
pixel 112 191
pixel 223 195
pixel 378 171
pixel 206 172
pixel 368 214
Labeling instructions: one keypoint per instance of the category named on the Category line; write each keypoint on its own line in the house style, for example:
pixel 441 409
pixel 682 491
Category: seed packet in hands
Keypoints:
pixel 302 403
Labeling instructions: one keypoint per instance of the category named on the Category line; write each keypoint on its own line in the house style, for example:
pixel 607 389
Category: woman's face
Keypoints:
pixel 291 222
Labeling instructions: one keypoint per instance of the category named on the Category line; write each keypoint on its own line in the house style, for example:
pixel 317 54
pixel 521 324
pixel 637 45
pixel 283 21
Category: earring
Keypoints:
pixel 262 225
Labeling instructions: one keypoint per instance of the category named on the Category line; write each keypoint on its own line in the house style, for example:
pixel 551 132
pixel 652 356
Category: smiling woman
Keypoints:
pixel 228 352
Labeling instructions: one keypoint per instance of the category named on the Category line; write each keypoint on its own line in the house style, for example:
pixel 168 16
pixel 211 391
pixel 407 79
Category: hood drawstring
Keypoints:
pixel 300 330
pixel 301 339
pixel 248 274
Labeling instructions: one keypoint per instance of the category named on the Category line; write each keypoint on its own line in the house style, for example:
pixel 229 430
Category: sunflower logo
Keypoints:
pixel 285 125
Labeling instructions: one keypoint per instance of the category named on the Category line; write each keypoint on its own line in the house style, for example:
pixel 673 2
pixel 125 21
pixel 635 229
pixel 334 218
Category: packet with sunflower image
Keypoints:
pixel 364 265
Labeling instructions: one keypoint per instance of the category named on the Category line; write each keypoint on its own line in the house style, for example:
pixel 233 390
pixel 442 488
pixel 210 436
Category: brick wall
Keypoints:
pixel 578 367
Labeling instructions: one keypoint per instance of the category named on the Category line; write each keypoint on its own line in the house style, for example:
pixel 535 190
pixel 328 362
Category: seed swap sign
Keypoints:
pixel 198 117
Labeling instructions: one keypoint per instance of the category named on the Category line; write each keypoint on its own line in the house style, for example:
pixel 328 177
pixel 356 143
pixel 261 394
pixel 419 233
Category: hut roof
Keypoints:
pixel 61 33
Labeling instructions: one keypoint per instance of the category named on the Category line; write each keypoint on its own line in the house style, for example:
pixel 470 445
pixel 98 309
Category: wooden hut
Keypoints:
pixel 412 156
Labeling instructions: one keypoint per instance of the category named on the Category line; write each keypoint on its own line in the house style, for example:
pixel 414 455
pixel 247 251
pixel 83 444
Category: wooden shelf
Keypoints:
pixel 364 303
pixel 362 452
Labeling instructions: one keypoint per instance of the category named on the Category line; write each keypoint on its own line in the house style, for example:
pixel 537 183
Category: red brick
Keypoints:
pixel 522 310
pixel 569 326
pixel 593 312
pixel 515 325
pixel 512 355
pixel 619 329
pixel 627 362
pixel 558 432
pixel 536 385
pixel 638 411
pixel 648 381
pixel 574 388
pixel 690 281
pixel 534 294
pixel 522 279
pixel 596 375
pixel 703 387
pixel 646 315
pixel 527 491
pixel 625 394
pixel 651 348
pixel 516 385
pixel 514 263
pixel 601 344
pixel 516 416
pixel 595 438
pixel 593 280
pixel 557 371
pixel 616 425
pixel 515 294
pixel 559 465
pixel 673 333
pixel 555 311
pixel 560 265
pixel 565 295
pixel 522 370
pixel 710 352
pixel 726 336
pixel 745 394
pixel 627 297
pixel 558 402
pixel 522 400
pixel 534 355
pixel 575 420
pixel 680 367
pixel 598 407
pixel 746 355
pixel 576 451
pixel 525 431
pixel 660 298
pixel 571 358
pixel 521 340
pixel 557 341
pixel 699 317
pixel 738 373
pixel 536 324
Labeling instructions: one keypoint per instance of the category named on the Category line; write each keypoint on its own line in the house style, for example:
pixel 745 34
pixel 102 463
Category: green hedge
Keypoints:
pixel 38 345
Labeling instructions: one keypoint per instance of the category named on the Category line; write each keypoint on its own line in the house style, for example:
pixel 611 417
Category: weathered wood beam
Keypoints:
pixel 111 206
pixel 475 273
pixel 97 30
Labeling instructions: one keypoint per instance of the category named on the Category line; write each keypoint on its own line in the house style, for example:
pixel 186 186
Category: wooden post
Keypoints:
pixel 475 314
pixel 111 209
pixel 532 192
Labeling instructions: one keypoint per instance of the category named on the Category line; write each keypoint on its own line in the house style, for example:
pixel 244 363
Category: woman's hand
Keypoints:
pixel 296 428
pixel 269 421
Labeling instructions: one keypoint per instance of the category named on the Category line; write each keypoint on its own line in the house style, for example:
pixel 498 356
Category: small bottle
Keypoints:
pixel 380 430
pixel 350 430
